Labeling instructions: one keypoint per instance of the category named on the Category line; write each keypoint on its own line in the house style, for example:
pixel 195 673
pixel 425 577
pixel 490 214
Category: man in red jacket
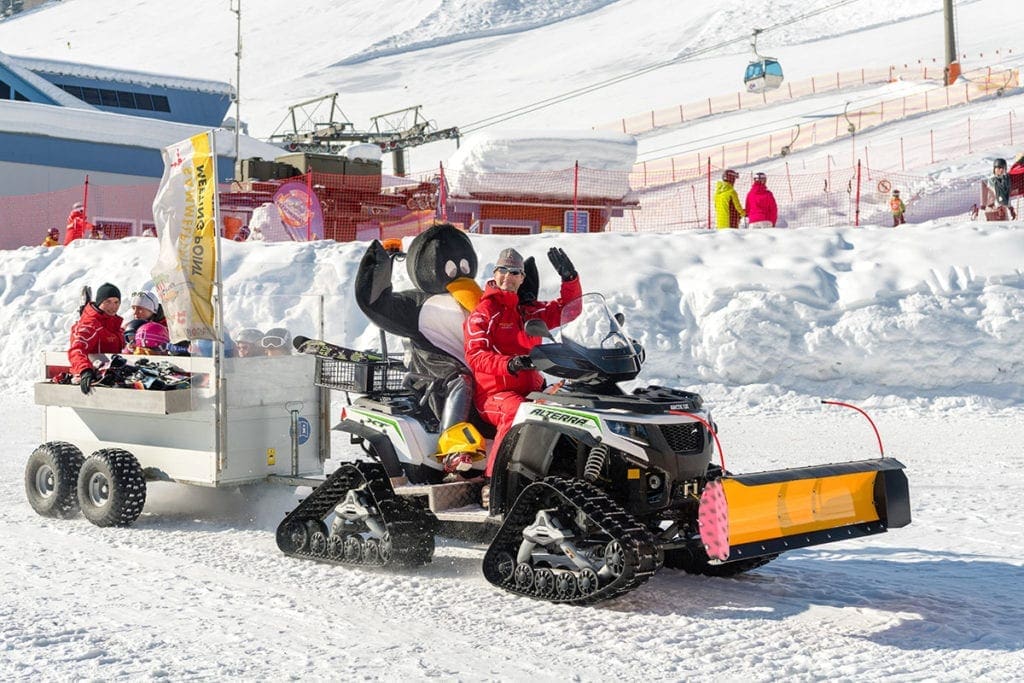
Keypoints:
pixel 97 331
pixel 497 345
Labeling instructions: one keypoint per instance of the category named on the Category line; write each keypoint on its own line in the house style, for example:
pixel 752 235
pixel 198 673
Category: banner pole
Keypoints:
pixel 218 319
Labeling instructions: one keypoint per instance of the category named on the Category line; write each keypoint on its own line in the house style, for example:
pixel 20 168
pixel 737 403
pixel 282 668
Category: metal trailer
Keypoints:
pixel 263 421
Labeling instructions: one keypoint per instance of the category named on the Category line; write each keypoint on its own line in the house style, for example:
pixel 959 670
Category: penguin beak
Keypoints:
pixel 466 291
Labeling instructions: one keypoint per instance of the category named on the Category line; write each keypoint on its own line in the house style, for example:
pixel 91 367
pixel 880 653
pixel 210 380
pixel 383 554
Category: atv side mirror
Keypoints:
pixel 620 318
pixel 537 328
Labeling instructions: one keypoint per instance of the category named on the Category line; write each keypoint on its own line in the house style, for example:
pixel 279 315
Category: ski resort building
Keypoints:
pixel 63 122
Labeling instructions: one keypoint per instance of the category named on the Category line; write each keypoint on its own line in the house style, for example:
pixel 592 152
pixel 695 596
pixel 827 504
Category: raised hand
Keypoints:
pixel 562 264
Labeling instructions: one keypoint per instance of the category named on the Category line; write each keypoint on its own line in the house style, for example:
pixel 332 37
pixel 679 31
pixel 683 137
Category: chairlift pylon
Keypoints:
pixel 763 74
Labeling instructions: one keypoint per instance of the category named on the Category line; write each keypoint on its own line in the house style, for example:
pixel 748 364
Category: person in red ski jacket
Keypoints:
pixel 98 330
pixel 77 227
pixel 497 345
pixel 762 211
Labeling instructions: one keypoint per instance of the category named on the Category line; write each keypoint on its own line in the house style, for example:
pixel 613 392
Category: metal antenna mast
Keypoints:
pixel 236 7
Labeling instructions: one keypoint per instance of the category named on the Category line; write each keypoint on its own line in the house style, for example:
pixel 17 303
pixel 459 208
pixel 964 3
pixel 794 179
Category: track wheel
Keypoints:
pixel 565 585
pixel 111 488
pixel 51 479
pixel 506 565
pixel 386 549
pixel 614 558
pixel 318 543
pixel 354 548
pixel 371 551
pixel 292 537
pixel 524 576
pixel 586 582
pixel 336 547
pixel 544 582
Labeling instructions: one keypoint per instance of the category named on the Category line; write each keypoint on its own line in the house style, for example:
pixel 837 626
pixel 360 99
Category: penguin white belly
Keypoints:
pixel 441 319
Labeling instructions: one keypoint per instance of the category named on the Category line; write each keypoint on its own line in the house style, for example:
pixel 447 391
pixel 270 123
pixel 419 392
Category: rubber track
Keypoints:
pixel 641 553
pixel 411 528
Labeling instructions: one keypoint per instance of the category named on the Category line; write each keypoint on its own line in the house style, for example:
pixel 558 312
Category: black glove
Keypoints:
pixel 85 380
pixel 531 283
pixel 562 264
pixel 517 363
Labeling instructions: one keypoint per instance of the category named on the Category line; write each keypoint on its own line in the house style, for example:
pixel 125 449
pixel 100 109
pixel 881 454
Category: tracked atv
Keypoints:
pixel 593 490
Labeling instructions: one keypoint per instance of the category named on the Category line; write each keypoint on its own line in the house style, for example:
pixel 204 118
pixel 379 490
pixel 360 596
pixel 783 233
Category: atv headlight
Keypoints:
pixel 629 430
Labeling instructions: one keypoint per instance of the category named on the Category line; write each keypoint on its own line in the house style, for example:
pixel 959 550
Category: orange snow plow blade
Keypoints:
pixel 767 513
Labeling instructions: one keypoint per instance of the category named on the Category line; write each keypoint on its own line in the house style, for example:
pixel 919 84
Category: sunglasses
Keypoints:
pixel 510 271
pixel 272 342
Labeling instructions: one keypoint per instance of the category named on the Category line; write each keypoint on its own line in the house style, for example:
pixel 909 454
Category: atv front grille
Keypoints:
pixel 685 438
pixel 363 377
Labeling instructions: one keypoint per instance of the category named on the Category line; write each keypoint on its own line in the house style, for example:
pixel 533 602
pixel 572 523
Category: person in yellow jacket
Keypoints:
pixel 728 209
pixel 52 238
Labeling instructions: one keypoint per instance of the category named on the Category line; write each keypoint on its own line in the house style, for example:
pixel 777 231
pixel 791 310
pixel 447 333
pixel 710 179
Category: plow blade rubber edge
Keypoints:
pixel 767 513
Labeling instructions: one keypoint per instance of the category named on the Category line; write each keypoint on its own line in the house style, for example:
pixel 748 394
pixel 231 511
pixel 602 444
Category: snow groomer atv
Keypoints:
pixel 594 489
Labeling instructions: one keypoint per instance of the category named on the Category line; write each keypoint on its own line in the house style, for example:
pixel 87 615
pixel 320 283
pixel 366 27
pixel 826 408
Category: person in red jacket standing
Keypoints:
pixel 762 211
pixel 497 345
pixel 77 227
pixel 98 330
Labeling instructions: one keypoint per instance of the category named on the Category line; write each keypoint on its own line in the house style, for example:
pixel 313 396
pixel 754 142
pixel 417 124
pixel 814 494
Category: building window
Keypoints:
pixel 123 99
pixel 91 95
pixel 5 91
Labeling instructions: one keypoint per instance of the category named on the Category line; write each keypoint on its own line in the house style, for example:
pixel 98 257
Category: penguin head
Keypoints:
pixel 438 256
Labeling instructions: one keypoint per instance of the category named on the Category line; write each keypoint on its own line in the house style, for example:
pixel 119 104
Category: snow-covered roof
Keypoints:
pixel 482 160
pixel 521 151
pixel 143 78
pixel 16 66
pixel 93 125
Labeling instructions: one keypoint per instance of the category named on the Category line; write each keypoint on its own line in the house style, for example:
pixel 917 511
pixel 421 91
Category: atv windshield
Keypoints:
pixel 588 323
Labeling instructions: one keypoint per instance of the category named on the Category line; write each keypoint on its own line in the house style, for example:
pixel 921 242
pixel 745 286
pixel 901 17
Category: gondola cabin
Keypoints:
pixel 763 75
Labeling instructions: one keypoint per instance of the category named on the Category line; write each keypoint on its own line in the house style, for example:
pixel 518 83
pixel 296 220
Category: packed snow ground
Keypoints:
pixel 922 326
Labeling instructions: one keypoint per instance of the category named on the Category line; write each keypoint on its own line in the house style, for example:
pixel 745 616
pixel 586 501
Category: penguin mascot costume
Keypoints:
pixel 442 266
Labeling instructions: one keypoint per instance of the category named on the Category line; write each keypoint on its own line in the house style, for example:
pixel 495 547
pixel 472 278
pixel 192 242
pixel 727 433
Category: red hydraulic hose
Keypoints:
pixel 870 421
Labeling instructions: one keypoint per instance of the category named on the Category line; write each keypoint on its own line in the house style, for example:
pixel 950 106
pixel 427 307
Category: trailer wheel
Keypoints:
pixel 51 479
pixel 111 488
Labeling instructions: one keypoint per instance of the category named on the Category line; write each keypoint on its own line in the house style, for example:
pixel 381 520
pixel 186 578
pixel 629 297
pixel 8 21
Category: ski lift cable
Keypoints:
pixel 681 59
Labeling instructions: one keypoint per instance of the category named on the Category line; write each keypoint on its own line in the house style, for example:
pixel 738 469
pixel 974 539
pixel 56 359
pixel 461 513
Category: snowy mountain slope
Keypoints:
pixel 460 81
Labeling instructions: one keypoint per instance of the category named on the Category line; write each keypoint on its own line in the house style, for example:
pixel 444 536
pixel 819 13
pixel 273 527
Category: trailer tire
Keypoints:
pixel 51 479
pixel 111 488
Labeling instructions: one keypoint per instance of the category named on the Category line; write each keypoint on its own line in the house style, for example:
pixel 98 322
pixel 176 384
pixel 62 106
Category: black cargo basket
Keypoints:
pixel 363 377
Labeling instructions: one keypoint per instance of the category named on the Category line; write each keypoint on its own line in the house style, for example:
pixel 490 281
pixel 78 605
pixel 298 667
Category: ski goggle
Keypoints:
pixel 272 342
pixel 510 271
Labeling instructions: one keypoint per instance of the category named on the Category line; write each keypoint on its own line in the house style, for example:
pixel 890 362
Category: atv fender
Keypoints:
pixel 381 444
pixel 525 456
pixel 767 513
